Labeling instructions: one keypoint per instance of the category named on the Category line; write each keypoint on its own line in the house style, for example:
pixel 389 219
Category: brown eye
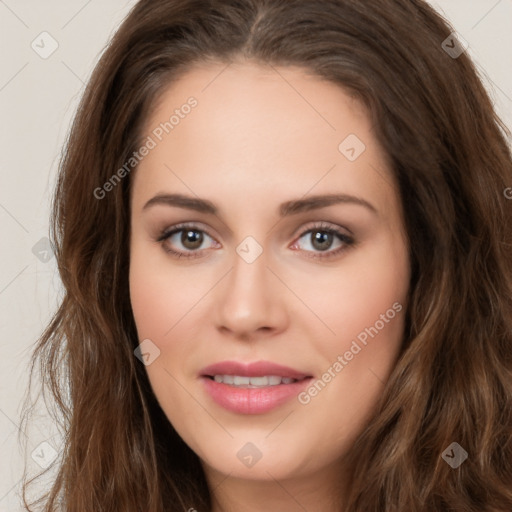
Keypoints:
pixel 320 239
pixel 185 241
pixel 191 239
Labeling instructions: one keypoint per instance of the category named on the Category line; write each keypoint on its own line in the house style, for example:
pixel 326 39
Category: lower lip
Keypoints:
pixel 252 400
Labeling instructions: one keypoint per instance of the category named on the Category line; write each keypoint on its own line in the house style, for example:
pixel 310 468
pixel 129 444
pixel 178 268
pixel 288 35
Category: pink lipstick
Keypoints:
pixel 253 388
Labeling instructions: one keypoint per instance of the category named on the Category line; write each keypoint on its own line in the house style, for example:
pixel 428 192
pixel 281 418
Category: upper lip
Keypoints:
pixel 256 369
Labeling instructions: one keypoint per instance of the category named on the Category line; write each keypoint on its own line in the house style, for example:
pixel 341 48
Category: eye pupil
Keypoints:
pixel 323 238
pixel 195 238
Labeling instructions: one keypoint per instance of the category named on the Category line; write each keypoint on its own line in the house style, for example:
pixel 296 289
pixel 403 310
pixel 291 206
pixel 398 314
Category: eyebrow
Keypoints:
pixel 285 209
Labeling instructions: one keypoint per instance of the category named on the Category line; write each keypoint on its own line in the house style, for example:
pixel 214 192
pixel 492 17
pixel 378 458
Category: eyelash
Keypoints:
pixel 347 240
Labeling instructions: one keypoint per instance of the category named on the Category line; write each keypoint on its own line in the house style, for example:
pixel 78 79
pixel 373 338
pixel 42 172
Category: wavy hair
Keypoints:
pixel 449 152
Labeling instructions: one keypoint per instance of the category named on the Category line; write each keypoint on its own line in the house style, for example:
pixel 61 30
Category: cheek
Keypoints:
pixel 160 302
pixel 168 309
pixel 365 307
pixel 160 294
pixel 152 303
pixel 363 299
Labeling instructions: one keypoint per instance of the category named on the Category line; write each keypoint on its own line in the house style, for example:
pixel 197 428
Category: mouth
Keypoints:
pixel 253 388
pixel 240 381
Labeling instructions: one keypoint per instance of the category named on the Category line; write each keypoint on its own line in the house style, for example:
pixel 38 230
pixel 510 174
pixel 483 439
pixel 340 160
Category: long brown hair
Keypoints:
pixel 453 380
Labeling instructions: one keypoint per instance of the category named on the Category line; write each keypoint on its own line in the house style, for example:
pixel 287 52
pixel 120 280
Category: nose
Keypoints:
pixel 251 302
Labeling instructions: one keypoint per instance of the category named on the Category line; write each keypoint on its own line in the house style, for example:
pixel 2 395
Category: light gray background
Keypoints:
pixel 38 98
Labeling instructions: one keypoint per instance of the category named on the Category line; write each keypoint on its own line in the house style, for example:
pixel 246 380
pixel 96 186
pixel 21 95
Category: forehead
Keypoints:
pixel 260 128
pixel 254 103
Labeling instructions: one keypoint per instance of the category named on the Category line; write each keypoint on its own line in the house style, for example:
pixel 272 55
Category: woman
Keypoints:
pixel 219 356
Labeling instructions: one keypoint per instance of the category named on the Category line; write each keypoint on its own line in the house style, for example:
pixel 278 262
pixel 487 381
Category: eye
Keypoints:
pixel 192 238
pixel 321 237
pixel 189 236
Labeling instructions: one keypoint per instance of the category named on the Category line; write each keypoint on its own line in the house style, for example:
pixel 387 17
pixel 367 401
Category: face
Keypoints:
pixel 269 268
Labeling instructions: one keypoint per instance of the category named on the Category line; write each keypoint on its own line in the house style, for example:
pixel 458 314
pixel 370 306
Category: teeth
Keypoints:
pixel 258 381
pixel 241 381
pixel 228 379
pixel 273 380
pixel 253 382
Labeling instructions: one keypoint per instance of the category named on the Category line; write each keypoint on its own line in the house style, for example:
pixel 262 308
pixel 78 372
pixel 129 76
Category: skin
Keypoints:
pixel 252 143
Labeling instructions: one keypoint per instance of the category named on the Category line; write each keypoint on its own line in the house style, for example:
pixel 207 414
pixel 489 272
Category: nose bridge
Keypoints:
pixel 249 299
pixel 249 277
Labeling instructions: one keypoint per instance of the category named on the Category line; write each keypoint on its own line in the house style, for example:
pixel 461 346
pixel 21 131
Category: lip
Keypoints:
pixel 252 400
pixel 257 369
